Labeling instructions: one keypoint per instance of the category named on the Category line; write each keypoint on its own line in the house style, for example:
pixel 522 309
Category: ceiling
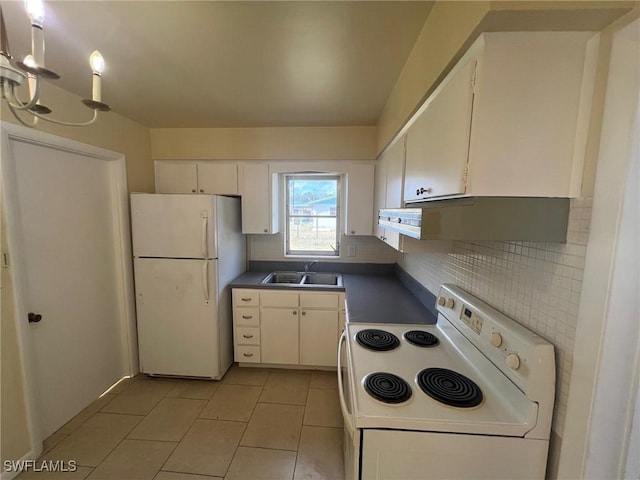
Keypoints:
pixel 230 63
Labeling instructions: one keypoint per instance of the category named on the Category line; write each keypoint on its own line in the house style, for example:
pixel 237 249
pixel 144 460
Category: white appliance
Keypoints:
pixel 469 397
pixel 187 249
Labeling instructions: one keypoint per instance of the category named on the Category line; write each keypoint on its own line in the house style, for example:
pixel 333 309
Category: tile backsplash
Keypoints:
pixel 537 284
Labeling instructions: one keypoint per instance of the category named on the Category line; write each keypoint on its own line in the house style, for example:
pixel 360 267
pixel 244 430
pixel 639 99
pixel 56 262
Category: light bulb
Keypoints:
pixel 35 10
pixel 30 62
pixel 97 63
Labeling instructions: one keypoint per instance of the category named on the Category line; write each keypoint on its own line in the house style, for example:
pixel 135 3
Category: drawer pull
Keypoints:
pixel 247 336
pixel 246 299
pixel 247 317
pixel 248 354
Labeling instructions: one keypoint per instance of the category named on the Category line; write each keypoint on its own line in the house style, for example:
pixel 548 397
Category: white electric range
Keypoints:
pixel 469 397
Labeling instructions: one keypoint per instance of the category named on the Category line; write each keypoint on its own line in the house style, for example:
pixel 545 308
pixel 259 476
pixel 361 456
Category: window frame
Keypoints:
pixel 287 216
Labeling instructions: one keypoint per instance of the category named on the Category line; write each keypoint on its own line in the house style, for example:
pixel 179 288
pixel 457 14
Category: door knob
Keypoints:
pixel 34 317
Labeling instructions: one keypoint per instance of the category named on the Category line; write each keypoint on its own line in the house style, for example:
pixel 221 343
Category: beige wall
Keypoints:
pixel 446 31
pixel 113 132
pixel 453 26
pixel 277 143
pixel 301 148
pixel 14 438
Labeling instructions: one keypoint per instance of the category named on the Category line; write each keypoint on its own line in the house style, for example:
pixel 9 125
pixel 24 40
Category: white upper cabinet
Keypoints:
pixel 218 178
pixel 360 183
pixel 259 190
pixel 438 142
pixel 515 127
pixel 389 188
pixel 176 177
pixel 197 177
pixel 380 194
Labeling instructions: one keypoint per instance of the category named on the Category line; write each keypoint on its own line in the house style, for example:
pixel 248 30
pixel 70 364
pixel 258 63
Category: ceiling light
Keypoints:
pixel 32 68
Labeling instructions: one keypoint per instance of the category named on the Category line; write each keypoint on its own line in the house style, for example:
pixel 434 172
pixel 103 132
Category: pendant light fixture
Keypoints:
pixel 32 69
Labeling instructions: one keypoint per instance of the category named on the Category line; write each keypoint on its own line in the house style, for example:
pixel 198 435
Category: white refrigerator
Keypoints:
pixel 186 249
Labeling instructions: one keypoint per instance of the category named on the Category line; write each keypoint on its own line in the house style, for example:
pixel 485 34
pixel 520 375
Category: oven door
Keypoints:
pixel 351 441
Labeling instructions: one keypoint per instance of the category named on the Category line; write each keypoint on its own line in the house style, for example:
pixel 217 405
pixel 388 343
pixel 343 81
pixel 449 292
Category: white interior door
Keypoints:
pixel 173 226
pixel 68 265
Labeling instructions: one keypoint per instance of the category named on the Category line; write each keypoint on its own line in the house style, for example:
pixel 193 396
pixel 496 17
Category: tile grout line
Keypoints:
pixel 235 452
pixel 187 430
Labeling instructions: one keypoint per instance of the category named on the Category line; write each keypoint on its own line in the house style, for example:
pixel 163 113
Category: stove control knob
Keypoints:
pixel 496 339
pixel 513 361
pixel 441 301
pixel 449 303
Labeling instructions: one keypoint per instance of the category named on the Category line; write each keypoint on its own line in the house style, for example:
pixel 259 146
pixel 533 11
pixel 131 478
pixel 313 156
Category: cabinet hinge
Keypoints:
pixel 4 260
pixel 474 77
pixel 465 176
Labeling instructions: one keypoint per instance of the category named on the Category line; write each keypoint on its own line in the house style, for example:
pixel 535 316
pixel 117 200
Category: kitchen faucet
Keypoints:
pixel 307 266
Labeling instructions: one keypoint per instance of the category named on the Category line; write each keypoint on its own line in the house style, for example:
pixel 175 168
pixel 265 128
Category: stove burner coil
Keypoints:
pixel 387 387
pixel 378 340
pixel 449 387
pixel 421 338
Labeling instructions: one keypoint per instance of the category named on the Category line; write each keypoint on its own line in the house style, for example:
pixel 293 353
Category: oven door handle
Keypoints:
pixel 349 423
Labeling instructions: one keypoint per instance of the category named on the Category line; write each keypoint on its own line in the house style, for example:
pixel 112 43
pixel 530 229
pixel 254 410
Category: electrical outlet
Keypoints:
pixel 351 251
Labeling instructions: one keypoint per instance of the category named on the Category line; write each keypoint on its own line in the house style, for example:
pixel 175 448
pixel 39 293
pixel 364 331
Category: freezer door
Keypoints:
pixel 173 226
pixel 177 316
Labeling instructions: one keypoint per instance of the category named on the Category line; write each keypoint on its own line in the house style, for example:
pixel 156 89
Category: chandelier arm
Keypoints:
pixel 15 114
pixel 19 104
pixel 67 124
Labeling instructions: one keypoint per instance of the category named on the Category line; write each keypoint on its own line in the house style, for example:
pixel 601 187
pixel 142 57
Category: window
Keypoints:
pixel 312 215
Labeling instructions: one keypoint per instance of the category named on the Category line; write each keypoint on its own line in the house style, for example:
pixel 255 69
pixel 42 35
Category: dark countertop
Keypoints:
pixel 370 298
pixel 383 299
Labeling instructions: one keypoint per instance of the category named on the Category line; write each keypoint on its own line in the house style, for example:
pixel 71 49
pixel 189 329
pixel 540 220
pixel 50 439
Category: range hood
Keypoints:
pixel 533 219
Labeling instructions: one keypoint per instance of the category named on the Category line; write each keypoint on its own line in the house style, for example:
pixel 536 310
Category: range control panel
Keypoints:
pixel 472 319
pixel 522 355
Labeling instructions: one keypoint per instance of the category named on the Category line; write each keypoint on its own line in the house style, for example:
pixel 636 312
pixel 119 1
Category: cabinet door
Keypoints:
pixel 395 159
pixel 278 298
pixel 176 319
pixel 380 194
pixel 319 300
pixel 360 181
pixel 318 337
pixel 438 142
pixel 279 335
pixel 174 177
pixel 259 190
pixel 218 178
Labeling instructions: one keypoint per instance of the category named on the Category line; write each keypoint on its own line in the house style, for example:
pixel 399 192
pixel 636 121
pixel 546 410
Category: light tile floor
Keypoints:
pixel 254 424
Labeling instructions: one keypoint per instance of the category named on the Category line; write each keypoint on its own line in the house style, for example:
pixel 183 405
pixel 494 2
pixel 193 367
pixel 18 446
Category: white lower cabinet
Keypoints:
pixel 285 327
pixel 279 335
pixel 318 333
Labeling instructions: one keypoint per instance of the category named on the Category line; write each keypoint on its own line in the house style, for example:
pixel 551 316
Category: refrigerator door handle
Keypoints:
pixel 205 280
pixel 205 220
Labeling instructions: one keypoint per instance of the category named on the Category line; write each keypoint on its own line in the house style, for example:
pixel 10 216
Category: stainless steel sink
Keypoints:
pixel 284 277
pixel 309 279
pixel 322 279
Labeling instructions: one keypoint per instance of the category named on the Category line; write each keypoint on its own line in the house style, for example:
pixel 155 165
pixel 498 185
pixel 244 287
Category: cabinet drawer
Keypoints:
pixel 319 300
pixel 247 336
pixel 278 299
pixel 247 353
pixel 246 316
pixel 243 297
